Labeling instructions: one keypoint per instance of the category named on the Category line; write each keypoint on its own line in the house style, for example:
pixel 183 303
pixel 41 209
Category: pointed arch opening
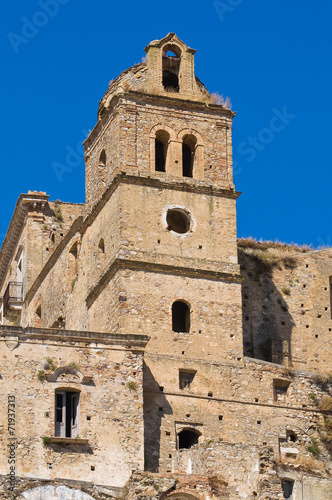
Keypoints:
pixel 188 155
pixel 180 317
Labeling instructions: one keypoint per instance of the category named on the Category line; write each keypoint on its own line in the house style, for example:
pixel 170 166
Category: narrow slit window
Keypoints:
pixel 73 264
pixel 102 159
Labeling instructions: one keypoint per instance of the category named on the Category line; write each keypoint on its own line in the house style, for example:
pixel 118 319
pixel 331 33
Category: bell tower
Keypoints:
pixel 160 190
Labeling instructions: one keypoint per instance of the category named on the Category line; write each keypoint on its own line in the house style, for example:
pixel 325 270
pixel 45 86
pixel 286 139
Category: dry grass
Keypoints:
pixel 220 99
pixel 302 461
pixel 324 381
pixel 325 405
pixel 271 254
pixel 267 245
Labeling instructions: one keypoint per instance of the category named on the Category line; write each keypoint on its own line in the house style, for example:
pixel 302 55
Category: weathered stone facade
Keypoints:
pixel 145 352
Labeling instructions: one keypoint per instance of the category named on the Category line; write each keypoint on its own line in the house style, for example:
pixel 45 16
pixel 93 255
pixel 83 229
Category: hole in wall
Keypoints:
pixel 188 438
pixel 178 220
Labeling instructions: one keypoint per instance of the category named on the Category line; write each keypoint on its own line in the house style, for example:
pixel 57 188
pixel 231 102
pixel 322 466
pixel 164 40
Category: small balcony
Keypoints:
pixel 13 296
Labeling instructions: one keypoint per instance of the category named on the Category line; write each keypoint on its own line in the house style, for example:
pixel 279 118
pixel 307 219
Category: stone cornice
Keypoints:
pixel 15 229
pixel 53 258
pixel 188 185
pixel 127 341
pixel 181 102
pixel 158 267
pixel 199 106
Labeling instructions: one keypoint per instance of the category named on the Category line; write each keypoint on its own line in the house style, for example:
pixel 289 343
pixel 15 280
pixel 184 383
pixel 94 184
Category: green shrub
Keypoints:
pixel 46 440
pixel 314 447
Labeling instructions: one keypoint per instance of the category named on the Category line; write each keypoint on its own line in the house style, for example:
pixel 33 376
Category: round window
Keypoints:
pixel 178 220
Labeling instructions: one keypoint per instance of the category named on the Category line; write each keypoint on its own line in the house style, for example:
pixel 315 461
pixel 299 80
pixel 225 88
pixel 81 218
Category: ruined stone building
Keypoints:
pixel 146 353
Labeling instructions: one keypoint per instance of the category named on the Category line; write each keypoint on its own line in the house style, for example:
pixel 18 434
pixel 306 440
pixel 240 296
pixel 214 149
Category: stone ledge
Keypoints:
pixel 66 440
pixel 125 341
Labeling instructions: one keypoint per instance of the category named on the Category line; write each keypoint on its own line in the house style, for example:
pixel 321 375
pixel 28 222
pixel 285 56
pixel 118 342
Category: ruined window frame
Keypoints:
pixel 66 413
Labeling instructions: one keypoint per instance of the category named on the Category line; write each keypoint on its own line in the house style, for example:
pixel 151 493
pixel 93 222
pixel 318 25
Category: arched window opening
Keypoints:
pixel 291 436
pixel 102 159
pixel 180 317
pixel 171 68
pixel 161 148
pixel 66 413
pixel 188 155
pixel 188 438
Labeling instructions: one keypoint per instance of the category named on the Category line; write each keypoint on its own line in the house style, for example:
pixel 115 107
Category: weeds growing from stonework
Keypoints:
pixel 220 99
pixel 132 385
pixel 324 382
pixel 52 366
pixel 270 255
pixel 74 365
pixel 57 211
pixel 46 440
pixel 314 447
pixel 41 375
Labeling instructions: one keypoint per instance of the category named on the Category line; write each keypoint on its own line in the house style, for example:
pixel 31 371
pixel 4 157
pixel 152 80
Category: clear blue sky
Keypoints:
pixel 271 57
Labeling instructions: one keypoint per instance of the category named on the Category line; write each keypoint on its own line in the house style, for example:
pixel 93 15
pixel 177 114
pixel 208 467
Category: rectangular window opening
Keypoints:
pixel 185 378
pixel 280 388
pixel 66 414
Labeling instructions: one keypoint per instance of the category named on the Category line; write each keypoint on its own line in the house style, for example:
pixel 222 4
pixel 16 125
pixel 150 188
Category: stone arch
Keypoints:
pixel 162 126
pixel 54 493
pixel 74 375
pixel 190 131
